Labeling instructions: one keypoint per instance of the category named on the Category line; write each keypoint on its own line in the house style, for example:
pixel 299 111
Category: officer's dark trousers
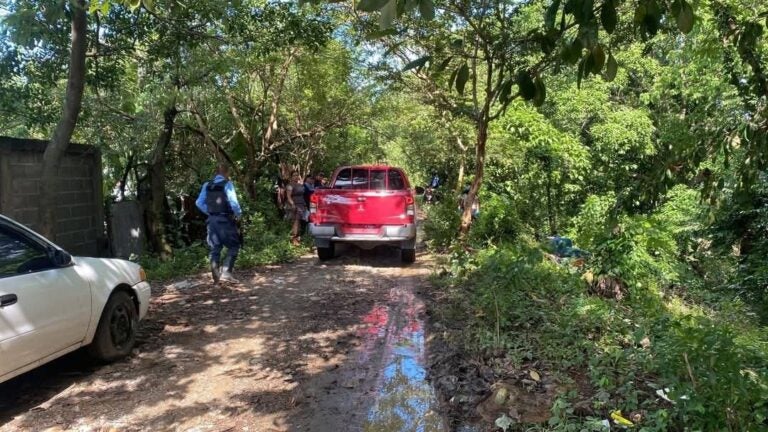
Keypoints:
pixel 222 232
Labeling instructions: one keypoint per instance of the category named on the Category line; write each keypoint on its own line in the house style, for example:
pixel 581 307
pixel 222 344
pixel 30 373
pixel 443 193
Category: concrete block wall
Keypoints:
pixel 79 207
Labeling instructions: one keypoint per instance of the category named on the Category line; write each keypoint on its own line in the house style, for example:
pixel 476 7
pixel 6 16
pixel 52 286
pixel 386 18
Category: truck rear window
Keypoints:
pixel 369 179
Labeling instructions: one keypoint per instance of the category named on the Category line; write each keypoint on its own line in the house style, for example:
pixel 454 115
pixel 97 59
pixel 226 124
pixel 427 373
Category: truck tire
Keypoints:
pixel 408 256
pixel 116 334
pixel 326 253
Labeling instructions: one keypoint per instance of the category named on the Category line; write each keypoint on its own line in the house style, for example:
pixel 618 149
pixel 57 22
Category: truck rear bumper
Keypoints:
pixel 404 235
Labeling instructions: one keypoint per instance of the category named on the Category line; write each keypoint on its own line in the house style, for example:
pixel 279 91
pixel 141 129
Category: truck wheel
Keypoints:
pixel 326 253
pixel 408 256
pixel 116 333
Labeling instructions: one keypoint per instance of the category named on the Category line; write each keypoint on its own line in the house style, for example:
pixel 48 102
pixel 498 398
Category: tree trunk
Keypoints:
pixel 157 201
pixel 482 138
pixel 66 126
pixel 462 164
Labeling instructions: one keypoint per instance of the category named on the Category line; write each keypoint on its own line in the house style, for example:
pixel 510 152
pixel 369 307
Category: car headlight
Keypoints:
pixel 142 274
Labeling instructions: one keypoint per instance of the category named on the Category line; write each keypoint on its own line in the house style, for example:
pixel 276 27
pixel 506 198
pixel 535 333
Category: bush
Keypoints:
pixel 442 224
pixel 497 222
pixel 712 363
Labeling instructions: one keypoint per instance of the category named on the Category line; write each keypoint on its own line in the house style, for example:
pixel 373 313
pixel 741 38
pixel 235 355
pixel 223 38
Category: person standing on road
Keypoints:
pixel 296 206
pixel 218 201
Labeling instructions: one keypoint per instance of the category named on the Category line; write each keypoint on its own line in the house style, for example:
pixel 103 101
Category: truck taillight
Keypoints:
pixel 313 200
pixel 410 207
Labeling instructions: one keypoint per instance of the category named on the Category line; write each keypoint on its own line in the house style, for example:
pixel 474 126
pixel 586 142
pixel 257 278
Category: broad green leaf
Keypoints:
pixel 526 85
pixel 685 17
pixel 134 4
pixel 549 18
pixel 149 4
pixel 585 12
pixel 608 16
pixel 410 5
pixel 388 15
pixel 541 92
pixel 572 52
pixel 452 79
pixel 427 9
pixel 611 68
pixel 442 65
pixel 418 63
pixel 371 5
pixel 598 59
pixel 462 76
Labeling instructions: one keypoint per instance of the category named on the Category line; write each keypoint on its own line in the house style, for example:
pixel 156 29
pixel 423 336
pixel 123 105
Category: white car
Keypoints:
pixel 52 303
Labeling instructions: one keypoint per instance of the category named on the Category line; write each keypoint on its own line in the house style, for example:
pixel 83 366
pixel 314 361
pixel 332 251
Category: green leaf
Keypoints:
pixel 411 5
pixel 608 16
pixel 442 65
pixel 685 17
pixel 461 78
pixel 584 14
pixel 149 5
pixel 526 85
pixel 572 52
pixel 427 9
pixel 418 63
pixel 652 18
pixel 452 79
pixel 541 92
pixel 549 18
pixel 598 59
pixel 611 68
pixel 388 15
pixel 134 4
pixel 371 5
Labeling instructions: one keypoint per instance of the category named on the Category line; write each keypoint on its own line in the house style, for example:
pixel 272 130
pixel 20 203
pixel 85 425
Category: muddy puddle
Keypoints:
pixel 403 399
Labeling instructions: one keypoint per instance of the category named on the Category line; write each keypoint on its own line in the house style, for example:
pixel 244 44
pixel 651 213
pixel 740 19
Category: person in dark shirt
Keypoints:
pixel 218 200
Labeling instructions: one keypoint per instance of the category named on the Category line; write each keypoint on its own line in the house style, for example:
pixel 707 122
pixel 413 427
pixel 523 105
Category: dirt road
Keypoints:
pixel 295 347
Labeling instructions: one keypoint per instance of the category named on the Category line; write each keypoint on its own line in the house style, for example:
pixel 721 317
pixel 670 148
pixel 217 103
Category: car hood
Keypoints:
pixel 112 271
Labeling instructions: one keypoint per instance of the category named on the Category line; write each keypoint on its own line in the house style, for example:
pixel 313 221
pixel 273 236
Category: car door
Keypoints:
pixel 43 308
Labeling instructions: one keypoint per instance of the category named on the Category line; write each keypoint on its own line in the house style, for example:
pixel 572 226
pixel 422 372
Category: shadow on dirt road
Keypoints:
pixel 306 346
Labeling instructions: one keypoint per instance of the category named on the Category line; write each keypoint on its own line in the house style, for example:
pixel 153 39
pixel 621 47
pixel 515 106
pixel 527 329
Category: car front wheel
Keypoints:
pixel 116 333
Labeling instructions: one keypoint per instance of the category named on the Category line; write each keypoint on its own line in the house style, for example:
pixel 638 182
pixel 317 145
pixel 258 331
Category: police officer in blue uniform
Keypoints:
pixel 218 201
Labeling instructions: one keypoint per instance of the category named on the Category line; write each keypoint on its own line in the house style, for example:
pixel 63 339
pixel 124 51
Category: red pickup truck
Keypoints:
pixel 367 205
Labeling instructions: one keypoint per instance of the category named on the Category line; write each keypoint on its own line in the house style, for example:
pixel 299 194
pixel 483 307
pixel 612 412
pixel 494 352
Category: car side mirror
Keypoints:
pixel 61 258
pixel 419 190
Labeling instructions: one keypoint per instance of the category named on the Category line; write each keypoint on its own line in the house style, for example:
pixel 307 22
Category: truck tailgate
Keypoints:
pixel 361 209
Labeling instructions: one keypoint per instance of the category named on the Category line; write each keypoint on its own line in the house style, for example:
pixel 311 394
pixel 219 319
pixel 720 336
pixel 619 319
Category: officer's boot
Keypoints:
pixel 215 271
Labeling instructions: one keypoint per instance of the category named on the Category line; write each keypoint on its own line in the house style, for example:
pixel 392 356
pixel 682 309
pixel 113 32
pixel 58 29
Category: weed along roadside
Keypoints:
pixel 526 339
